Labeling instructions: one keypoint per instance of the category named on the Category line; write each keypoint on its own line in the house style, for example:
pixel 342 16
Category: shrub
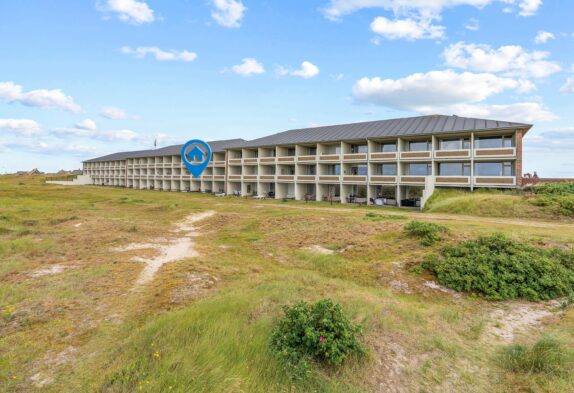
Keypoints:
pixel 318 332
pixel 564 188
pixel 558 196
pixel 427 232
pixel 500 268
pixel 548 355
pixel 378 217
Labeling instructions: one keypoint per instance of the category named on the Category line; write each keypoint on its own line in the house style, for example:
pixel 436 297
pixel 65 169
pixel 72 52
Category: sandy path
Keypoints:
pixel 170 250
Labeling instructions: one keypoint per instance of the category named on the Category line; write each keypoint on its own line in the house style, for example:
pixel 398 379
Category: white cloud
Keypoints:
pixel 473 24
pixel 522 112
pixel 248 67
pixel 24 127
pixel 129 11
pixel 42 98
pixel 160 54
pixel 307 70
pixel 113 113
pixel 87 124
pixel 48 147
pixel 543 37
pixel 409 29
pixel 529 7
pixel 510 59
pixel 568 87
pixel 422 91
pixel 228 13
pixel 119 135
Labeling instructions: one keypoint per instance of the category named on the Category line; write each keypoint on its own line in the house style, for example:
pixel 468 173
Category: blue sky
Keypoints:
pixel 80 79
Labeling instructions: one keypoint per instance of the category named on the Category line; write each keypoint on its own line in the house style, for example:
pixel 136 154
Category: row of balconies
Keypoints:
pixel 345 179
pixel 381 156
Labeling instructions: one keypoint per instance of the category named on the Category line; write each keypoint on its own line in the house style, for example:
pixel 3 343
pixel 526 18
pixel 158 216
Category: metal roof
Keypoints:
pixel 174 150
pixel 410 126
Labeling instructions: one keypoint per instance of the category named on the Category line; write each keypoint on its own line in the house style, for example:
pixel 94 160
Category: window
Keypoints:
pixel 388 147
pixel 454 144
pixel 388 169
pixel 312 151
pixel 419 146
pixel 309 170
pixel 419 169
pixel 494 142
pixel 290 170
pixel 358 170
pixel 291 151
pixel 493 169
pixel 454 169
pixel 359 148
pixel 334 170
pixel 333 149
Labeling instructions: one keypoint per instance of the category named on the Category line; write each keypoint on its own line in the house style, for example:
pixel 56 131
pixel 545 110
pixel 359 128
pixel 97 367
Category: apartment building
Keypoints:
pixel 388 162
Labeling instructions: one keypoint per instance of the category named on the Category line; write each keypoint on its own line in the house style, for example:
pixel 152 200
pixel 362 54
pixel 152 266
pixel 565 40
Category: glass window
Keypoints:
pixel 494 142
pixel 312 151
pixel 334 170
pixel 454 169
pixel 291 151
pixel 388 147
pixel 493 169
pixel 466 143
pixel 358 148
pixel 358 170
pixel 388 169
pixel 450 144
pixel 419 169
pixel 419 146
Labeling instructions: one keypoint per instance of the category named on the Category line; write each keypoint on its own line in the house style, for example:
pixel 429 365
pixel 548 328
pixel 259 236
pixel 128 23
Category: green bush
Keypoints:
pixel 500 268
pixel 427 232
pixel 318 332
pixel 555 189
pixel 548 355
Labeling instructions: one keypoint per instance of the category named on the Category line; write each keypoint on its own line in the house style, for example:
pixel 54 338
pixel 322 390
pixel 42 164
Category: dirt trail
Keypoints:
pixel 170 250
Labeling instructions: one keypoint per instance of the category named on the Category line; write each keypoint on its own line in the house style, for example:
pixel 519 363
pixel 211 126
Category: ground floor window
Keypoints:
pixel 359 191
pixel 493 169
pixel 454 169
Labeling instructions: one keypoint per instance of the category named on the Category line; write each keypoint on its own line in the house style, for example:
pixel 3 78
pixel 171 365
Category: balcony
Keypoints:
pixel 218 177
pixel 250 161
pixel 267 177
pixel 250 177
pixel 383 156
pixel 415 155
pixel 307 159
pixel 307 178
pixel 380 179
pixel 447 154
pixel 219 163
pixel 267 160
pixel 329 157
pixel 413 179
pixel 354 179
pixel 235 161
pixel 330 178
pixel 285 159
pixel 234 177
pixel 452 180
pixel 207 177
pixel 495 152
pixel 495 181
pixel 355 157
pixel 288 178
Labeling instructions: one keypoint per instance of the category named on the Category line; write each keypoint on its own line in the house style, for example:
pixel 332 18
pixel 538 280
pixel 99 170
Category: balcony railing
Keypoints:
pixel 413 179
pixel 494 180
pixel 330 178
pixel 416 155
pixel 309 158
pixel 235 161
pixel 250 177
pixel 252 160
pixel 330 157
pixel 285 177
pixel 307 178
pixel 267 160
pixel 452 153
pixel 267 177
pixel 381 156
pixel 452 180
pixel 495 152
pixel 354 179
pixel 286 159
pixel 383 179
pixel 355 157
pixel 234 177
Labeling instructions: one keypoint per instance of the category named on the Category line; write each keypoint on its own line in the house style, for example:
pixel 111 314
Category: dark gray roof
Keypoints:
pixel 174 150
pixel 410 126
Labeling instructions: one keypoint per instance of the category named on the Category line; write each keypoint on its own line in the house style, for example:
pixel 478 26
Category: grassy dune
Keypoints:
pixel 203 323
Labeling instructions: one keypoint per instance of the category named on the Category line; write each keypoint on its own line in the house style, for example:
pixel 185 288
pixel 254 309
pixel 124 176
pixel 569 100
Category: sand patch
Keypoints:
pixel 505 323
pixel 169 250
pixel 54 269
pixel 196 283
pixel 319 250
pixel 78 225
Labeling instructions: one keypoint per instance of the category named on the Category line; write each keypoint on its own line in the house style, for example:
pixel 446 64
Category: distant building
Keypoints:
pixel 396 162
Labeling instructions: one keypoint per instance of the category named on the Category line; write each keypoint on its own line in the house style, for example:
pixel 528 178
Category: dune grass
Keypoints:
pixel 86 329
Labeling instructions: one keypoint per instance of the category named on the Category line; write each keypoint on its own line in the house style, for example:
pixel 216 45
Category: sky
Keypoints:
pixel 84 78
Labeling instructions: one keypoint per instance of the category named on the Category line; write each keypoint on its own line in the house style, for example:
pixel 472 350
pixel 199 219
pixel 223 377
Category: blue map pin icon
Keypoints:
pixel 196 155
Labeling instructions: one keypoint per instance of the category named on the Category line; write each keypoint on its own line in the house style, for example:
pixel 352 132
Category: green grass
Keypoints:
pixel 214 337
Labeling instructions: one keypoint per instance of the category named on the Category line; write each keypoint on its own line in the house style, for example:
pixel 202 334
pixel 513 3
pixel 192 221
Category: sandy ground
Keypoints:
pixel 54 269
pixel 513 318
pixel 319 250
pixel 169 250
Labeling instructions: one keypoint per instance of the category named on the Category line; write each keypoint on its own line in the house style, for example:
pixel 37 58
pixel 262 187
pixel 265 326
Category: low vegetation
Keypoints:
pixel 558 197
pixel 547 355
pixel 315 333
pixel 500 268
pixel 427 233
